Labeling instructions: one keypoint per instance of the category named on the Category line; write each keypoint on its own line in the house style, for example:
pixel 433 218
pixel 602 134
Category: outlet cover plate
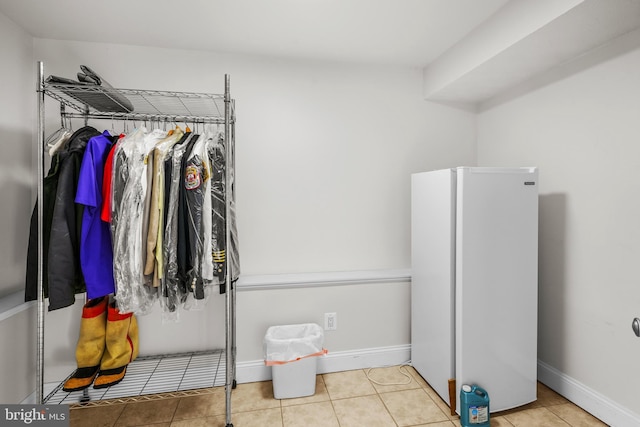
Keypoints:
pixel 330 321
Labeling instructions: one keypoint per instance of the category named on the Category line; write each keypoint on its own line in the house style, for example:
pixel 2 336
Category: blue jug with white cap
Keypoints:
pixel 474 406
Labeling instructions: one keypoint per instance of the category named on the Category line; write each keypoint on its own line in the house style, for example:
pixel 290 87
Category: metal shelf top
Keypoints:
pixel 101 102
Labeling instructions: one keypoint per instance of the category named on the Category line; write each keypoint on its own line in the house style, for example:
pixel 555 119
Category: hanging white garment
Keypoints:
pixel 132 294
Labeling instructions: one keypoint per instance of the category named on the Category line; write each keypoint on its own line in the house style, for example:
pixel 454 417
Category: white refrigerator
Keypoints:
pixel 474 289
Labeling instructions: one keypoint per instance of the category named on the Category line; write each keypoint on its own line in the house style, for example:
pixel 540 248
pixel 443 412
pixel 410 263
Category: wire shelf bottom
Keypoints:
pixel 153 375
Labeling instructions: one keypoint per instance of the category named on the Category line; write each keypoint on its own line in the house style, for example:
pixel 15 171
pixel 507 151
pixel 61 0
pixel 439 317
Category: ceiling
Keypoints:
pixel 471 51
pixel 399 32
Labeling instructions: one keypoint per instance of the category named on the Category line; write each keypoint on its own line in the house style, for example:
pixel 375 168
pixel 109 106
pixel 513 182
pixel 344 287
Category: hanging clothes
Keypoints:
pixel 154 239
pixel 149 220
pixel 234 248
pixel 218 231
pixel 219 253
pixel 107 184
pixel 128 221
pixel 62 223
pixel 173 288
pixel 196 179
pixel 184 255
pixel 96 253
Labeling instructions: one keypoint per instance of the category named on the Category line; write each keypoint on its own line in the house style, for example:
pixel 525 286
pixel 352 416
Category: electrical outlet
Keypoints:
pixel 330 321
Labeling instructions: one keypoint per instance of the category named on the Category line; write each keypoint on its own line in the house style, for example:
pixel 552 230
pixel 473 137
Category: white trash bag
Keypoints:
pixel 289 343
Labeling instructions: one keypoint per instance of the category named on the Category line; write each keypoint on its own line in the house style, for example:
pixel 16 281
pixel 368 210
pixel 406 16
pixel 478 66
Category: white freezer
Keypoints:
pixel 474 293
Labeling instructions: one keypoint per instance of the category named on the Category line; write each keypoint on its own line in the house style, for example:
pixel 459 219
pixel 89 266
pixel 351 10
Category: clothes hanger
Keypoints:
pixel 170 132
pixel 60 137
pixel 112 131
pixel 57 140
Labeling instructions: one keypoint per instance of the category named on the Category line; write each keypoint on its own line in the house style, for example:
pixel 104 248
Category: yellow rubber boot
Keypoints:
pixel 91 344
pixel 121 347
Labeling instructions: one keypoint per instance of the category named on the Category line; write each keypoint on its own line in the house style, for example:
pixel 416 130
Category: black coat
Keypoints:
pixel 62 224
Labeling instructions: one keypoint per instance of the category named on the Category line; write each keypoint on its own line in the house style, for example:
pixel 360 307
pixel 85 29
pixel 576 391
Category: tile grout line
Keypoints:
pixel 333 407
pixel 380 398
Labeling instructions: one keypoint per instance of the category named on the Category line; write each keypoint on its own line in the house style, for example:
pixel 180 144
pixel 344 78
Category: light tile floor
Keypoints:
pixel 342 399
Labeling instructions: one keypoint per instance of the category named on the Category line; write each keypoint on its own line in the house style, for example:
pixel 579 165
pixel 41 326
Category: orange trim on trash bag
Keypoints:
pixel 279 362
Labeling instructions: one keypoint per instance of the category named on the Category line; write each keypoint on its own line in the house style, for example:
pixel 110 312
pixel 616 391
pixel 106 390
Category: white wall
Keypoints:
pixel 324 157
pixel 17 179
pixel 582 130
pixel 17 167
pixel 18 355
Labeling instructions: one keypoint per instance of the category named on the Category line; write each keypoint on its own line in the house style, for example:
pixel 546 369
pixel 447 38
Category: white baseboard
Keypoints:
pixel 591 401
pixel 255 370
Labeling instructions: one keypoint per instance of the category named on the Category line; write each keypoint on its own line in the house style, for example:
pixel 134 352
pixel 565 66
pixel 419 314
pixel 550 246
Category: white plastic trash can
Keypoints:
pixel 291 351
